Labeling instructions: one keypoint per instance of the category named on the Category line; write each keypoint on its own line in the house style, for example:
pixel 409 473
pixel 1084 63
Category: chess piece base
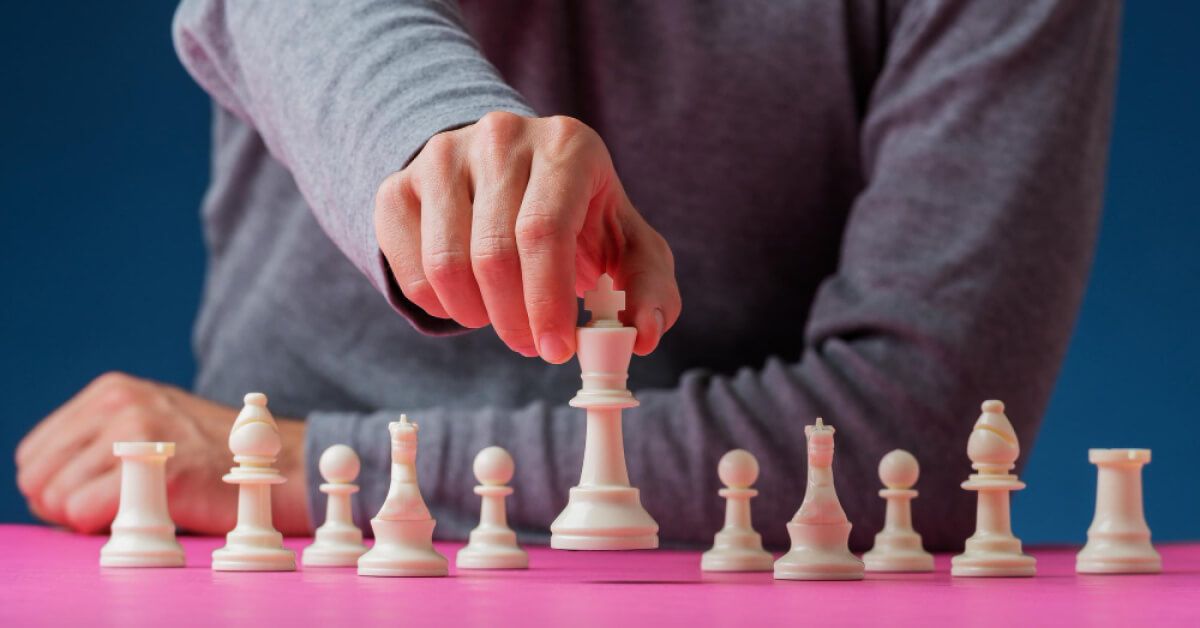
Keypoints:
pixel 984 564
pixel 604 518
pixel 130 549
pixel 819 552
pixel 896 562
pixel 332 555
pixel 403 549
pixel 1112 558
pixel 477 556
pixel 241 558
pixel 736 559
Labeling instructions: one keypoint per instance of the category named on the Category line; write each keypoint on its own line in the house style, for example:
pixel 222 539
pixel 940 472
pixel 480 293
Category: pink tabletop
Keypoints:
pixel 52 577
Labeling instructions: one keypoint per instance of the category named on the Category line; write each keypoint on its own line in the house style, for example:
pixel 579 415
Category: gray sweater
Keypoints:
pixel 882 213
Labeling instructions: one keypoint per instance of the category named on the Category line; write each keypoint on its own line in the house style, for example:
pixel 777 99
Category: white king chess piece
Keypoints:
pixel 604 512
pixel 1119 538
pixel 492 545
pixel 898 546
pixel 143 534
pixel 820 531
pixel 338 542
pixel 254 544
pixel 993 551
pixel 403 528
pixel 737 547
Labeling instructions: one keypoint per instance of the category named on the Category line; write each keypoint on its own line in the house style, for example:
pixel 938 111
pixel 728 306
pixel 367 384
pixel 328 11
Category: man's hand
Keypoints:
pixel 506 221
pixel 69 476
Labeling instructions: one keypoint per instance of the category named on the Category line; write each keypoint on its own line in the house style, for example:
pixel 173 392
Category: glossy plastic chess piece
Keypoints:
pixel 737 547
pixel 338 542
pixel 820 531
pixel 993 551
pixel 143 534
pixel 254 544
pixel 403 528
pixel 1118 539
pixel 898 546
pixel 492 545
pixel 604 512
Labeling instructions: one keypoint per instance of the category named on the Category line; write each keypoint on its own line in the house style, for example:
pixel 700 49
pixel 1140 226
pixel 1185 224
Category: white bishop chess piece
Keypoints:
pixel 820 531
pixel 1119 538
pixel 143 534
pixel 254 544
pixel 338 542
pixel 898 546
pixel 492 545
pixel 604 512
pixel 993 551
pixel 403 528
pixel 737 547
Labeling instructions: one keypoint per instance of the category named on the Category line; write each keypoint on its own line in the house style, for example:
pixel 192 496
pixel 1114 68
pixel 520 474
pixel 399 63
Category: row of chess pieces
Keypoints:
pixel 143 534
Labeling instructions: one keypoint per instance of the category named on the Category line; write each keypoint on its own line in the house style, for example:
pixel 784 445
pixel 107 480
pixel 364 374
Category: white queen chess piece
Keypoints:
pixel 254 544
pixel 143 534
pixel 338 542
pixel 604 512
pixel 898 546
pixel 820 531
pixel 403 528
pixel 737 547
pixel 993 551
pixel 492 545
pixel 1119 538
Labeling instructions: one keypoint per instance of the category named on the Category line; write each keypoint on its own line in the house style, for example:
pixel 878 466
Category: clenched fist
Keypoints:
pixel 68 474
pixel 505 222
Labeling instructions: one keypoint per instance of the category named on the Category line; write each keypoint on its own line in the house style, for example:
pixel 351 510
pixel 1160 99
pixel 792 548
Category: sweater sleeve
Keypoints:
pixel 962 268
pixel 343 94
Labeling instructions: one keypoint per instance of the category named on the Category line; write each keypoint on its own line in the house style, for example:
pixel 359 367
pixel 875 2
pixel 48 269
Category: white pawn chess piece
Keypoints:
pixel 338 542
pixel 898 546
pixel 993 551
pixel 737 547
pixel 403 528
pixel 820 531
pixel 604 512
pixel 143 534
pixel 492 545
pixel 254 544
pixel 1119 539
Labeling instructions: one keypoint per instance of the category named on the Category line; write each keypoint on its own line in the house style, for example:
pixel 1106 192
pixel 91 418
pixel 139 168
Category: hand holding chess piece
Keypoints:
pixel 898 546
pixel 737 547
pixel 492 545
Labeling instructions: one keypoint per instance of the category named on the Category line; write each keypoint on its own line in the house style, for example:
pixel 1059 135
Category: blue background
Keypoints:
pixel 105 158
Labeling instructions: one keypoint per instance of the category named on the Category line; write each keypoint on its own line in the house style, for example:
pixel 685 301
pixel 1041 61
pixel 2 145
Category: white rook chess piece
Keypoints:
pixel 338 542
pixel 898 546
pixel 143 534
pixel 993 551
pixel 403 528
pixel 737 547
pixel 604 512
pixel 1119 539
pixel 254 544
pixel 492 545
pixel 820 531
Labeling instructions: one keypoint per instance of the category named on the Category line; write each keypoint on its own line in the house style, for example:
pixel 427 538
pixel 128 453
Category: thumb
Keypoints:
pixel 645 270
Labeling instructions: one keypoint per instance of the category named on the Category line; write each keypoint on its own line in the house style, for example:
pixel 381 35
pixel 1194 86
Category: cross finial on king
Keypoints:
pixel 604 303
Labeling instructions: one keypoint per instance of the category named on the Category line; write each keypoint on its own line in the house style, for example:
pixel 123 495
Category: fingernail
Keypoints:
pixel 552 348
pixel 659 321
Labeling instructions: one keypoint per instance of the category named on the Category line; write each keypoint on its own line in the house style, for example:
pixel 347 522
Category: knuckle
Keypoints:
pixel 419 291
pixel 537 229
pixel 494 256
pixel 566 135
pixel 437 157
pixel 446 265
